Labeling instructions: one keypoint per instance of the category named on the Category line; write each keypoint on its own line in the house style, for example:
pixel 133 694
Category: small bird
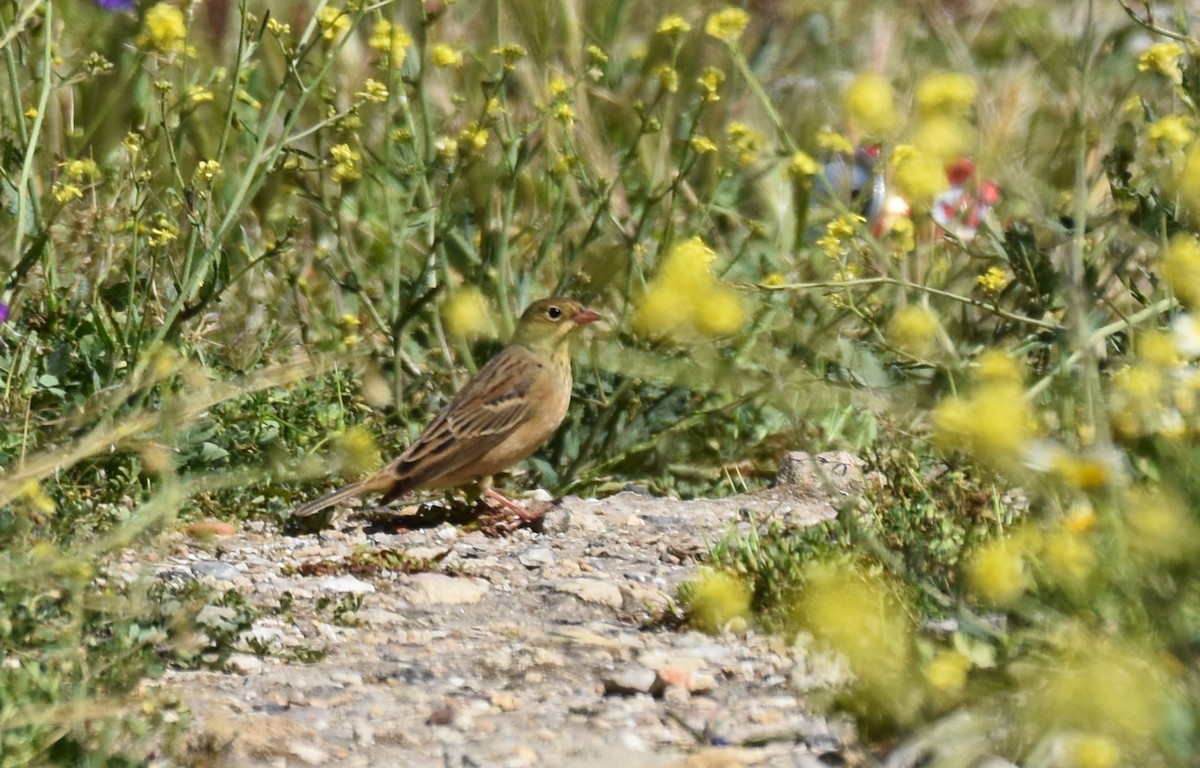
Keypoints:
pixel 500 417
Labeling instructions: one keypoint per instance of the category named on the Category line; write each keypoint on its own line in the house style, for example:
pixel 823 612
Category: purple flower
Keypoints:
pixel 3 312
pixel 116 5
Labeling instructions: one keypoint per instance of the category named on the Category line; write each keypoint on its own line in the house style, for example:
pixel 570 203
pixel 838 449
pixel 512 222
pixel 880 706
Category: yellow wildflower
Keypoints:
pixel 668 78
pixel 208 169
pixel 870 105
pixel 1172 131
pixel 1181 268
pixel 702 145
pixel 919 176
pixel 992 282
pixel 914 329
pixel 278 28
pixel 391 37
pixel 943 138
pixel 947 672
pixel 443 55
pixel 356 450
pixel 832 141
pixel 993 424
pixel 564 113
pixel 710 80
pixel 949 94
pixel 466 314
pixel 511 54
pixel 685 298
pixel 373 90
pixel 997 574
pixel 802 164
pixel 332 21
pixel 1163 58
pixel 163 29
pixel 727 24
pixel 65 192
pixel 474 137
pixel 673 26
pixel 198 94
pixel 345 163
pixel 714 598
pixel 995 366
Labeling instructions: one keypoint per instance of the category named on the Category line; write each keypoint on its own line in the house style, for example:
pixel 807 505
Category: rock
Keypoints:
pixel 346 585
pixel 440 589
pixel 210 529
pixel 573 520
pixel 309 754
pixel 215 569
pixel 630 679
pixel 591 591
pixel 537 557
pixel 245 664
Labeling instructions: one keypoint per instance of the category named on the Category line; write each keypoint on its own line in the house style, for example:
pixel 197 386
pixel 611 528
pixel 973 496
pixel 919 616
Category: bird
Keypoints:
pixel 500 417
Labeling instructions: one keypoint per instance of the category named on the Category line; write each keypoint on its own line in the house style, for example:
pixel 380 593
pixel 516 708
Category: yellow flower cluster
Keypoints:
pixel 333 22
pixel 870 105
pixel 914 329
pixel 993 423
pixel 345 163
pixel 392 38
pixel 685 300
pixel 716 598
pixel 163 29
pixel 919 176
pixel 945 101
pixel 727 24
pixel 854 612
pixel 673 26
pixel 745 142
pixel 466 314
pixel 1163 59
pixel 993 281
pixel 356 451
pixel 1171 131
pixel 445 56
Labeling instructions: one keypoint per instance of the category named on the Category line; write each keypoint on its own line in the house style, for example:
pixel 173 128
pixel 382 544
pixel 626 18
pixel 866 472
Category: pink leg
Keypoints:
pixel 511 505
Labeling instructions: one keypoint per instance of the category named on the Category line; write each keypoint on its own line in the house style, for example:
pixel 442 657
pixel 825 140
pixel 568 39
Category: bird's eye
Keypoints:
pixel 554 313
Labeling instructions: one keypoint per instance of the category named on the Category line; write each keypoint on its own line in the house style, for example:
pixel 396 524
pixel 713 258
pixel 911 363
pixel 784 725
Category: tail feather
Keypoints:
pixel 366 485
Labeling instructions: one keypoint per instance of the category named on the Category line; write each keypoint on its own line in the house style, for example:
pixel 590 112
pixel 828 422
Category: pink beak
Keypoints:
pixel 585 316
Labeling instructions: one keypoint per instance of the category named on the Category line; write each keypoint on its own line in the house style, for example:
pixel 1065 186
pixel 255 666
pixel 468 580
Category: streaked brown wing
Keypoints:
pixel 489 408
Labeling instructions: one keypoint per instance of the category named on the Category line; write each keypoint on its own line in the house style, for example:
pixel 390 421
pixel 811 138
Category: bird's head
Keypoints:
pixel 548 324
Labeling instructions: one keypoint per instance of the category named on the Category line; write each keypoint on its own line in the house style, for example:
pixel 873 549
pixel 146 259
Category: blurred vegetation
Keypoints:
pixel 239 231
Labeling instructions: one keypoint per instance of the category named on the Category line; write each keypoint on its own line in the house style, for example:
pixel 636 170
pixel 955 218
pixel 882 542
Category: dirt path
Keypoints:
pixel 530 649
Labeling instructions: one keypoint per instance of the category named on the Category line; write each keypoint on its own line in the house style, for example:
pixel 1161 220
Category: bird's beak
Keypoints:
pixel 585 316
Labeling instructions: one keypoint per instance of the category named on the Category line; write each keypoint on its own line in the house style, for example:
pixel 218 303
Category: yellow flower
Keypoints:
pixel 1069 559
pixel 1181 268
pixel 1187 182
pixel 1173 131
pixel 390 37
pixel 673 26
pixel 466 314
pixel 474 137
pixel 208 169
pixel 82 170
pixel 727 24
pixel 833 141
pixel 993 424
pixel 947 671
pixel 1095 751
pixel 870 105
pixel 993 281
pixel 65 192
pixel 345 163
pixel 511 54
pixel 668 78
pixel 997 367
pixel 943 138
pixel 356 451
pixel 949 94
pixel 914 329
pixel 163 29
pixel 996 573
pixel 278 28
pixel 802 164
pixel 855 614
pixel 373 90
pixel 1160 528
pixel 702 145
pixel 564 113
pixel 443 55
pixel 710 80
pixel 715 598
pixel 1163 58
pixel 685 298
pixel 919 176
pixel 332 21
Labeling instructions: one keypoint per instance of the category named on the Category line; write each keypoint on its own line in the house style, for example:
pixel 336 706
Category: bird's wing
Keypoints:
pixel 487 410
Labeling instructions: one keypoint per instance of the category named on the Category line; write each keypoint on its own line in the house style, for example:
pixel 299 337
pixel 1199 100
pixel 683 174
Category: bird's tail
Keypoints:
pixel 365 485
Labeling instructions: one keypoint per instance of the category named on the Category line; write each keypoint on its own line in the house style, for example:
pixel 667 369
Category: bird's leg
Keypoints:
pixel 511 505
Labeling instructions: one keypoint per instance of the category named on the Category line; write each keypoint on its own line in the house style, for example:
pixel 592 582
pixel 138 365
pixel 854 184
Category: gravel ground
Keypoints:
pixel 535 648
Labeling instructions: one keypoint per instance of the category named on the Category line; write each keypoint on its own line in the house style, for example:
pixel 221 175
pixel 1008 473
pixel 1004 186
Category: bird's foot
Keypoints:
pixel 505 515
